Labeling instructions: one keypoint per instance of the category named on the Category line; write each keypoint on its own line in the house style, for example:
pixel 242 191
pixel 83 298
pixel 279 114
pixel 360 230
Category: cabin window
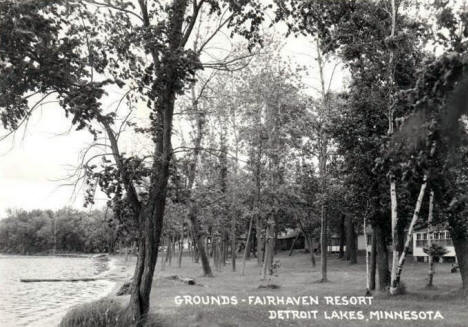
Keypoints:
pixel 421 240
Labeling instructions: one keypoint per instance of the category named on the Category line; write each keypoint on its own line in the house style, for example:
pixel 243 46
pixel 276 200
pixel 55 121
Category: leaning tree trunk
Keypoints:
pixel 460 243
pixel 395 282
pixel 291 249
pixel 200 242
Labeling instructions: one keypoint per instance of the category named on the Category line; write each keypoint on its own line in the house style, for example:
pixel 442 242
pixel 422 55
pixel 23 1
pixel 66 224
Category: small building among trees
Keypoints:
pixel 290 238
pixel 440 237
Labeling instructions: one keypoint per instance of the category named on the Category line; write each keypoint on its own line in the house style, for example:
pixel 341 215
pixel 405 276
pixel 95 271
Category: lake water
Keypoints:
pixel 45 303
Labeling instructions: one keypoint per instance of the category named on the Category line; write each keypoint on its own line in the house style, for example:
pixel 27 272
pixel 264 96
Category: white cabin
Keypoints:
pixel 440 237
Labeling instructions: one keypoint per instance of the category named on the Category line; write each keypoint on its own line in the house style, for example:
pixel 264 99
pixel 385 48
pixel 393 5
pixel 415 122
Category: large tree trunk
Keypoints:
pixel 147 256
pixel 351 246
pixel 269 249
pixel 460 244
pixel 382 258
pixel 152 214
pixel 151 217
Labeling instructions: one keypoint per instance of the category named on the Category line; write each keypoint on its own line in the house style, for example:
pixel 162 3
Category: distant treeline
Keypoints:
pixel 65 230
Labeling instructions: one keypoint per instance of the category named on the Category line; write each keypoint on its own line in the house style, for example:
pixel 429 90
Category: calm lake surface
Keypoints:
pixel 45 303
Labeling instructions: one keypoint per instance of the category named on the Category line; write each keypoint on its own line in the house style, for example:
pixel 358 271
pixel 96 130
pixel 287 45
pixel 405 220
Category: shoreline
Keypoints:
pixel 63 255
pixel 117 274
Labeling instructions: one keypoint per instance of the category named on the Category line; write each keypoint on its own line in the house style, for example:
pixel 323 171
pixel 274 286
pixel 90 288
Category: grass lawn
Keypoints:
pixel 298 278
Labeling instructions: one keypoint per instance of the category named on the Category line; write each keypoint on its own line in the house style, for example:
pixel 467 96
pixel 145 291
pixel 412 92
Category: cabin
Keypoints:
pixel 440 236
pixel 363 242
pixel 289 238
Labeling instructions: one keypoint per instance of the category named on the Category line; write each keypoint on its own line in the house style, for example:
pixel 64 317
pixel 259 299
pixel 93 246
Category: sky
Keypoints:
pixel 35 162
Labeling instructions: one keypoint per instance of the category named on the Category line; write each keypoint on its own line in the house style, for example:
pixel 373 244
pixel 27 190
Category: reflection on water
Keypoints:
pixel 43 304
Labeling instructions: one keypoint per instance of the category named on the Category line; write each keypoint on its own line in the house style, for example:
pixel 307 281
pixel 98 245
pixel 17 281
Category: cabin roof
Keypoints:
pixel 291 233
pixel 436 228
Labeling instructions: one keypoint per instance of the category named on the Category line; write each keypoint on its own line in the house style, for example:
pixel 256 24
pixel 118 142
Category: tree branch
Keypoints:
pixel 109 5
pixel 193 20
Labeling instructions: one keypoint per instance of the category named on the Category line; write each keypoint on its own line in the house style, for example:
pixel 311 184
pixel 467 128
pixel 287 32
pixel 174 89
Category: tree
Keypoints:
pixel 65 230
pixel 160 64
pixel 434 130
pixel 358 32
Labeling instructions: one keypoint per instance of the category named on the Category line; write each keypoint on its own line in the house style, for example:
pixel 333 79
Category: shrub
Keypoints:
pixel 435 250
pixel 102 313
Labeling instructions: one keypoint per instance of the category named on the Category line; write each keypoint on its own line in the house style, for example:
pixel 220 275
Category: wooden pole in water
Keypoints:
pixel 60 280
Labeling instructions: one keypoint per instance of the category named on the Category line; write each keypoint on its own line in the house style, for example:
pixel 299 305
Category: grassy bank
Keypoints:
pixel 298 278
